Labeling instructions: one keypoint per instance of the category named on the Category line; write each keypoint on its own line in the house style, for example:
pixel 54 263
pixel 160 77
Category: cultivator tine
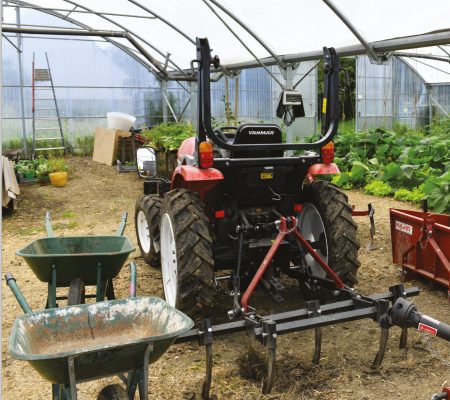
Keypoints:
pixel 206 339
pixel 372 246
pixel 313 308
pixel 381 349
pixel 403 338
pixel 269 337
pixel 382 307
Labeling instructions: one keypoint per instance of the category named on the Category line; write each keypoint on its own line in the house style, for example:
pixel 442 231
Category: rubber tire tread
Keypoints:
pixel 113 392
pixel 341 230
pixel 150 205
pixel 77 292
pixel 193 240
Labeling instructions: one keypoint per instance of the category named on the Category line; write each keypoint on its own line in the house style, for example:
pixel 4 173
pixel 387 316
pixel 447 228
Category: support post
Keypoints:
pixel 22 104
pixel 163 99
pixel 289 73
pixel 193 108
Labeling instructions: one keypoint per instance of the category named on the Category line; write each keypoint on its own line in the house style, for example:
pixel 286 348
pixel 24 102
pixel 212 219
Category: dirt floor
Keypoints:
pixel 92 203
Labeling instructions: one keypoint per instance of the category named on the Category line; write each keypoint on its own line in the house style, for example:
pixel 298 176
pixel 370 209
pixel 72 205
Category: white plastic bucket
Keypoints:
pixel 120 121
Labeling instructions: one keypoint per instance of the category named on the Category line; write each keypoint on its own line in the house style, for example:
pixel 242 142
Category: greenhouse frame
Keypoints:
pixel 135 58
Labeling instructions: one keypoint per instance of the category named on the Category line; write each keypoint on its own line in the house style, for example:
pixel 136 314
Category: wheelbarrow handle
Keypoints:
pixel 11 282
pixel 48 225
pixel 123 224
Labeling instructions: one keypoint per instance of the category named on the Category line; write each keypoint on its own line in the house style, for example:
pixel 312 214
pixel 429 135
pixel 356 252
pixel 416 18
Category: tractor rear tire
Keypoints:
pixel 146 218
pixel 327 206
pixel 113 392
pixel 187 264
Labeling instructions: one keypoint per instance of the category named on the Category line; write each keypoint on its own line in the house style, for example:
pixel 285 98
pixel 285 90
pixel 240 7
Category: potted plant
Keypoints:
pixel 58 169
pixel 42 170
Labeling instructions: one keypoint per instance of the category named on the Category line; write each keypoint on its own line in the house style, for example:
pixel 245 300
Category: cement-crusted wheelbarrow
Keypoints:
pixel 78 261
pixel 85 342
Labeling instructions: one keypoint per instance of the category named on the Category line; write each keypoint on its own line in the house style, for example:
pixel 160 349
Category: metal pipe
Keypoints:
pixel 279 61
pixel 369 48
pixel 388 45
pixel 11 282
pixel 22 102
pixel 133 279
pixel 243 43
pixel 125 29
pixel 168 23
pixel 425 56
pixel 307 73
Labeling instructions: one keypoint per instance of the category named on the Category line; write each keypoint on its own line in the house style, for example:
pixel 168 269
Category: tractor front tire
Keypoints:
pixel 326 218
pixel 186 253
pixel 146 219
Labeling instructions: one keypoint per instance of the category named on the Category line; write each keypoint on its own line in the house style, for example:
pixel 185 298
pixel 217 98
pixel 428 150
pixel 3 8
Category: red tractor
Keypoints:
pixel 220 214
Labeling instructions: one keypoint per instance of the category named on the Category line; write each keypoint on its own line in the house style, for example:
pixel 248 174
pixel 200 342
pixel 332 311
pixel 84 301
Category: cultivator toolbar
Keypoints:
pixel 387 309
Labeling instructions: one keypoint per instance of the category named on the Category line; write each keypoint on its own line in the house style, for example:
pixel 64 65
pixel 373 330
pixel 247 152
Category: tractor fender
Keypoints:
pixel 195 179
pixel 321 169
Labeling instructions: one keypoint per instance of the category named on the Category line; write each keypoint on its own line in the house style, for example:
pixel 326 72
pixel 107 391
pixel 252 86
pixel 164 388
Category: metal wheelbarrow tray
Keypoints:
pixel 91 341
pixel 78 261
pixel 75 257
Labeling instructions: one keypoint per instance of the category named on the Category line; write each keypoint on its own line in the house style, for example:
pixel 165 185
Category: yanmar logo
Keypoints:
pixel 261 132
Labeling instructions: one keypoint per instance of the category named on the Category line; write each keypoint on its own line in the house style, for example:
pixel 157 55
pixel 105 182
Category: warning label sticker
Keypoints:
pixel 427 329
pixel 402 227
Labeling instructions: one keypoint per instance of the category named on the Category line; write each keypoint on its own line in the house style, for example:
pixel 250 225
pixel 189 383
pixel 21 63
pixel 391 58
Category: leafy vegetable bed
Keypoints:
pixel 407 164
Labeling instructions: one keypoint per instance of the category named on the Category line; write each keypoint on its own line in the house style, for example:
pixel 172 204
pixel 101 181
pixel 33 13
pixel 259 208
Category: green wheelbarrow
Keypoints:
pixel 85 342
pixel 78 261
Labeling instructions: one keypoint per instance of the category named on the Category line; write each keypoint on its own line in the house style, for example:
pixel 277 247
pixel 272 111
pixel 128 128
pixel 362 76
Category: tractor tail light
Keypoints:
pixel 328 153
pixel 219 214
pixel 205 155
pixel 297 208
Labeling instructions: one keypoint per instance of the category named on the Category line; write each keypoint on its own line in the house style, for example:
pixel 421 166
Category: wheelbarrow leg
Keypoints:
pixel 143 383
pixel 73 383
pixel 206 339
pixel 51 292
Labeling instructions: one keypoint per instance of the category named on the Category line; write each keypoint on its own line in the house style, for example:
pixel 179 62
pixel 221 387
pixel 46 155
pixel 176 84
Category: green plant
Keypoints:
pixel 168 136
pixel 437 190
pixel 416 195
pixel 57 165
pixel 378 188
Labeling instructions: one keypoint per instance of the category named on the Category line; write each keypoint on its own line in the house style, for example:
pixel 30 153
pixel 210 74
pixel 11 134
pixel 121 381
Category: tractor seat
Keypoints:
pixel 257 134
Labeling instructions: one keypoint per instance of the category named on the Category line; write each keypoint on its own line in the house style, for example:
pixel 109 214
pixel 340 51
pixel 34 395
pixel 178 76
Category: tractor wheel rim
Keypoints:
pixel 311 226
pixel 169 264
pixel 143 232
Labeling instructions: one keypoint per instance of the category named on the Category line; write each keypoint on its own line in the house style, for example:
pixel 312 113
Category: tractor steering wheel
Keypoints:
pixel 226 137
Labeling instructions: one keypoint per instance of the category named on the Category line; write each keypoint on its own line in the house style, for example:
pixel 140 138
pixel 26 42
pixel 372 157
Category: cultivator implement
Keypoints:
pixel 387 310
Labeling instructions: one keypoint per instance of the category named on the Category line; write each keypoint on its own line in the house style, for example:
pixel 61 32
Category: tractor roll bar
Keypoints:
pixel 330 109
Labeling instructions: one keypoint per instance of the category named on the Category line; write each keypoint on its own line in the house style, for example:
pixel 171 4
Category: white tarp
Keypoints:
pixel 288 26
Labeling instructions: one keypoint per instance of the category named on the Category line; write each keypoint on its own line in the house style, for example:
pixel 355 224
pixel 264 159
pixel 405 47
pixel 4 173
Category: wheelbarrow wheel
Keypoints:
pixel 77 293
pixel 326 220
pixel 186 253
pixel 146 218
pixel 113 392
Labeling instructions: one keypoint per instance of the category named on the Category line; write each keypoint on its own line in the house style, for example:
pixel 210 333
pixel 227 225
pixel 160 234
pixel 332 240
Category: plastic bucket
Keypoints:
pixel 58 179
pixel 120 121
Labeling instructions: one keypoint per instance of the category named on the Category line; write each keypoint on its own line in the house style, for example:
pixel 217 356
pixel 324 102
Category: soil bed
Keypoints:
pixel 92 202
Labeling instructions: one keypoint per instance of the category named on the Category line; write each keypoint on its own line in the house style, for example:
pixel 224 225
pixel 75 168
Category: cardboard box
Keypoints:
pixel 106 144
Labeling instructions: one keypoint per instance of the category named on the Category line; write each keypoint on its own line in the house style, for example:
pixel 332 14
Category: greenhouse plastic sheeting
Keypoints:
pixel 287 27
